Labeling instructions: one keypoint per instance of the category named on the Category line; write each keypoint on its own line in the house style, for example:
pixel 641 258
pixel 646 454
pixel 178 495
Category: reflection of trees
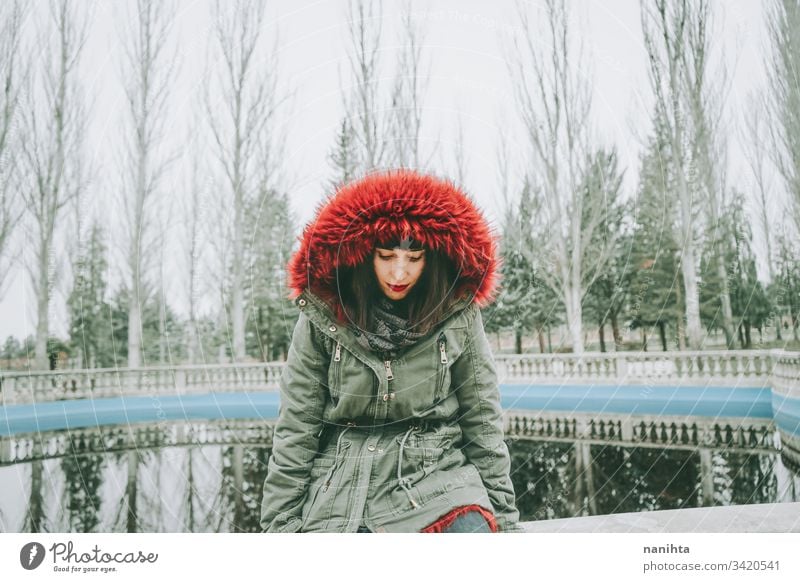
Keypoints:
pixel 83 476
pixel 220 488
pixel 742 479
pixel 202 494
pixel 243 472
pixel 34 515
pixel 644 479
pixel 544 478
pixel 129 513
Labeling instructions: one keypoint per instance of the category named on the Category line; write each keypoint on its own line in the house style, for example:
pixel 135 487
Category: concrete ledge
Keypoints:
pixel 764 518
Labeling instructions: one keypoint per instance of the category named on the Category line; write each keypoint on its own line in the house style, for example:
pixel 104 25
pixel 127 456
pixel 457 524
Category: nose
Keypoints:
pixel 399 271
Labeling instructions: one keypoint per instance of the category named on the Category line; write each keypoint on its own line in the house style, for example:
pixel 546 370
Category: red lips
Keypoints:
pixel 395 288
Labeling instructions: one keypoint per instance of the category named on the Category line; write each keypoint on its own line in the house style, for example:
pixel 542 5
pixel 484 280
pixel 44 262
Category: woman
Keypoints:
pixel 390 417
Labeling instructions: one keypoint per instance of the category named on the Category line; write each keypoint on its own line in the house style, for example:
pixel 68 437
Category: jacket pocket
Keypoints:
pixel 321 495
pixel 418 478
pixel 321 465
pixel 421 453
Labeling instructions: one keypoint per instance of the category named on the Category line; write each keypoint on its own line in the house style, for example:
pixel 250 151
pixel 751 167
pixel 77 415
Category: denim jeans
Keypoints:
pixel 471 522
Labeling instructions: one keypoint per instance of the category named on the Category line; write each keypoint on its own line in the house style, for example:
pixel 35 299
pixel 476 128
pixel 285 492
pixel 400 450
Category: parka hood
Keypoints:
pixel 391 205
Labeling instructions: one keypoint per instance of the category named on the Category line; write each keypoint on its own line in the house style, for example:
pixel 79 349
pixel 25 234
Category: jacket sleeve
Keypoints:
pixel 295 440
pixel 474 379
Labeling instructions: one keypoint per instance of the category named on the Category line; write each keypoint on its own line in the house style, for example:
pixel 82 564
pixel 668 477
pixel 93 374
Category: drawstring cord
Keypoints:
pixel 403 481
pixel 335 465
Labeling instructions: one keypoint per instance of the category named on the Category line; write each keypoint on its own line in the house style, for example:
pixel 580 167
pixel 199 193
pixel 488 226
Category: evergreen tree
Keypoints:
pixel 751 306
pixel 114 352
pixel 786 289
pixel 344 155
pixel 86 304
pixel 605 296
pixel 12 350
pixel 526 304
pixel 748 298
pixel 270 237
pixel 655 284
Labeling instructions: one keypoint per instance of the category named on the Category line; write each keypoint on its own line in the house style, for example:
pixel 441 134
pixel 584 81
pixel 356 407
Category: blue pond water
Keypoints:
pixel 630 399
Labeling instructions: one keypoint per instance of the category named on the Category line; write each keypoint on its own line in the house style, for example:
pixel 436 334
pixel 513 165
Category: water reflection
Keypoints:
pixel 618 479
pixel 218 488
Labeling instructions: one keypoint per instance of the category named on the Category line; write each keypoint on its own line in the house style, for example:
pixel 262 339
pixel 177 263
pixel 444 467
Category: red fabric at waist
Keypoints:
pixel 448 518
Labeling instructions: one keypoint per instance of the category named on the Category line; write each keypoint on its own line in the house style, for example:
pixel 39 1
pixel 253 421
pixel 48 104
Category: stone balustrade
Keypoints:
pixel 27 388
pixel 750 367
pixel 674 368
pixel 731 434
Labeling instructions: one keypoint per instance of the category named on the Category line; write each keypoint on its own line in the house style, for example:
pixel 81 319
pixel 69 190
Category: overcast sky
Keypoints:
pixel 466 46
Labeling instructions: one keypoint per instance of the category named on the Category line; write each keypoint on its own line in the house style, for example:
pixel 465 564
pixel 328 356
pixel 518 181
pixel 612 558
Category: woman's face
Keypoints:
pixel 398 268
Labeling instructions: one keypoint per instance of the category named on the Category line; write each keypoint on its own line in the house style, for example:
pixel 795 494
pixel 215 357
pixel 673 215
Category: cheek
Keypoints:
pixel 418 271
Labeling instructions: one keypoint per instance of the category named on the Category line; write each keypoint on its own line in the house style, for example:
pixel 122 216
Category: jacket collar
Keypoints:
pixel 319 312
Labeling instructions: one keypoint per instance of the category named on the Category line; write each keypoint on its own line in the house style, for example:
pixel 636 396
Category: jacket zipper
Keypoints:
pixel 388 365
pixel 337 356
pixel 443 369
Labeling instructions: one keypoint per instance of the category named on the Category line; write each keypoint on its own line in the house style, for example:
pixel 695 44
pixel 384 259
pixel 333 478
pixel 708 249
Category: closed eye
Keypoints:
pixel 412 259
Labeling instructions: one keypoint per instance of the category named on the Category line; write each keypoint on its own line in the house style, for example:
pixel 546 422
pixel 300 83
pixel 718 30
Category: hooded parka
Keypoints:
pixel 389 444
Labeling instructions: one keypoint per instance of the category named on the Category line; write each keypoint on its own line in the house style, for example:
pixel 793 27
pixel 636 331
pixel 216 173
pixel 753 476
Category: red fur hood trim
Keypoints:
pixel 382 206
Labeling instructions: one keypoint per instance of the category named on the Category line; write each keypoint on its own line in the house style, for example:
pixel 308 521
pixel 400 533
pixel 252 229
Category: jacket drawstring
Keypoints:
pixel 403 481
pixel 335 465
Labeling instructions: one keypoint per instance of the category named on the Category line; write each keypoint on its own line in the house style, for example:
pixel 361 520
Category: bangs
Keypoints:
pixel 407 244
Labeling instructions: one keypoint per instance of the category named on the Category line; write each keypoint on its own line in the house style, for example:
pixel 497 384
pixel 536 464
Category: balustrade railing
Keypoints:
pixel 738 366
pixel 673 432
pixel 26 388
pixel 732 368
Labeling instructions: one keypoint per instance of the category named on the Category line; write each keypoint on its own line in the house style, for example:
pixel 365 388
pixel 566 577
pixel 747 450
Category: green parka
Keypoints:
pixel 392 444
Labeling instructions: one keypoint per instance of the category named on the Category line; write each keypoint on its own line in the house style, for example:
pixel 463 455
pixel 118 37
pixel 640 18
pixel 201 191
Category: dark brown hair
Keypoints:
pixel 427 301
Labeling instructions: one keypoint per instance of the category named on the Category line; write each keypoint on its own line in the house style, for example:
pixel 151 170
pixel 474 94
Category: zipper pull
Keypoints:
pixel 388 365
pixel 442 342
pixel 338 355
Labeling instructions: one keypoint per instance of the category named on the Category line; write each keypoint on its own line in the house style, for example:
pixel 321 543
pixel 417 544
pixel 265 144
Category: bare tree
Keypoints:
pixel 554 99
pixel 459 154
pixel 368 118
pixel 755 141
pixel 409 94
pixel 665 25
pixel 503 165
pixel 194 243
pixel 708 146
pixel 240 117
pixel 148 70
pixel 12 17
pixel 54 126
pixel 783 97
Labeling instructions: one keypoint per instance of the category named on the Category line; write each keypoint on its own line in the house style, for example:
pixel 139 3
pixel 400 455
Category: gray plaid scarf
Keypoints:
pixel 391 332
